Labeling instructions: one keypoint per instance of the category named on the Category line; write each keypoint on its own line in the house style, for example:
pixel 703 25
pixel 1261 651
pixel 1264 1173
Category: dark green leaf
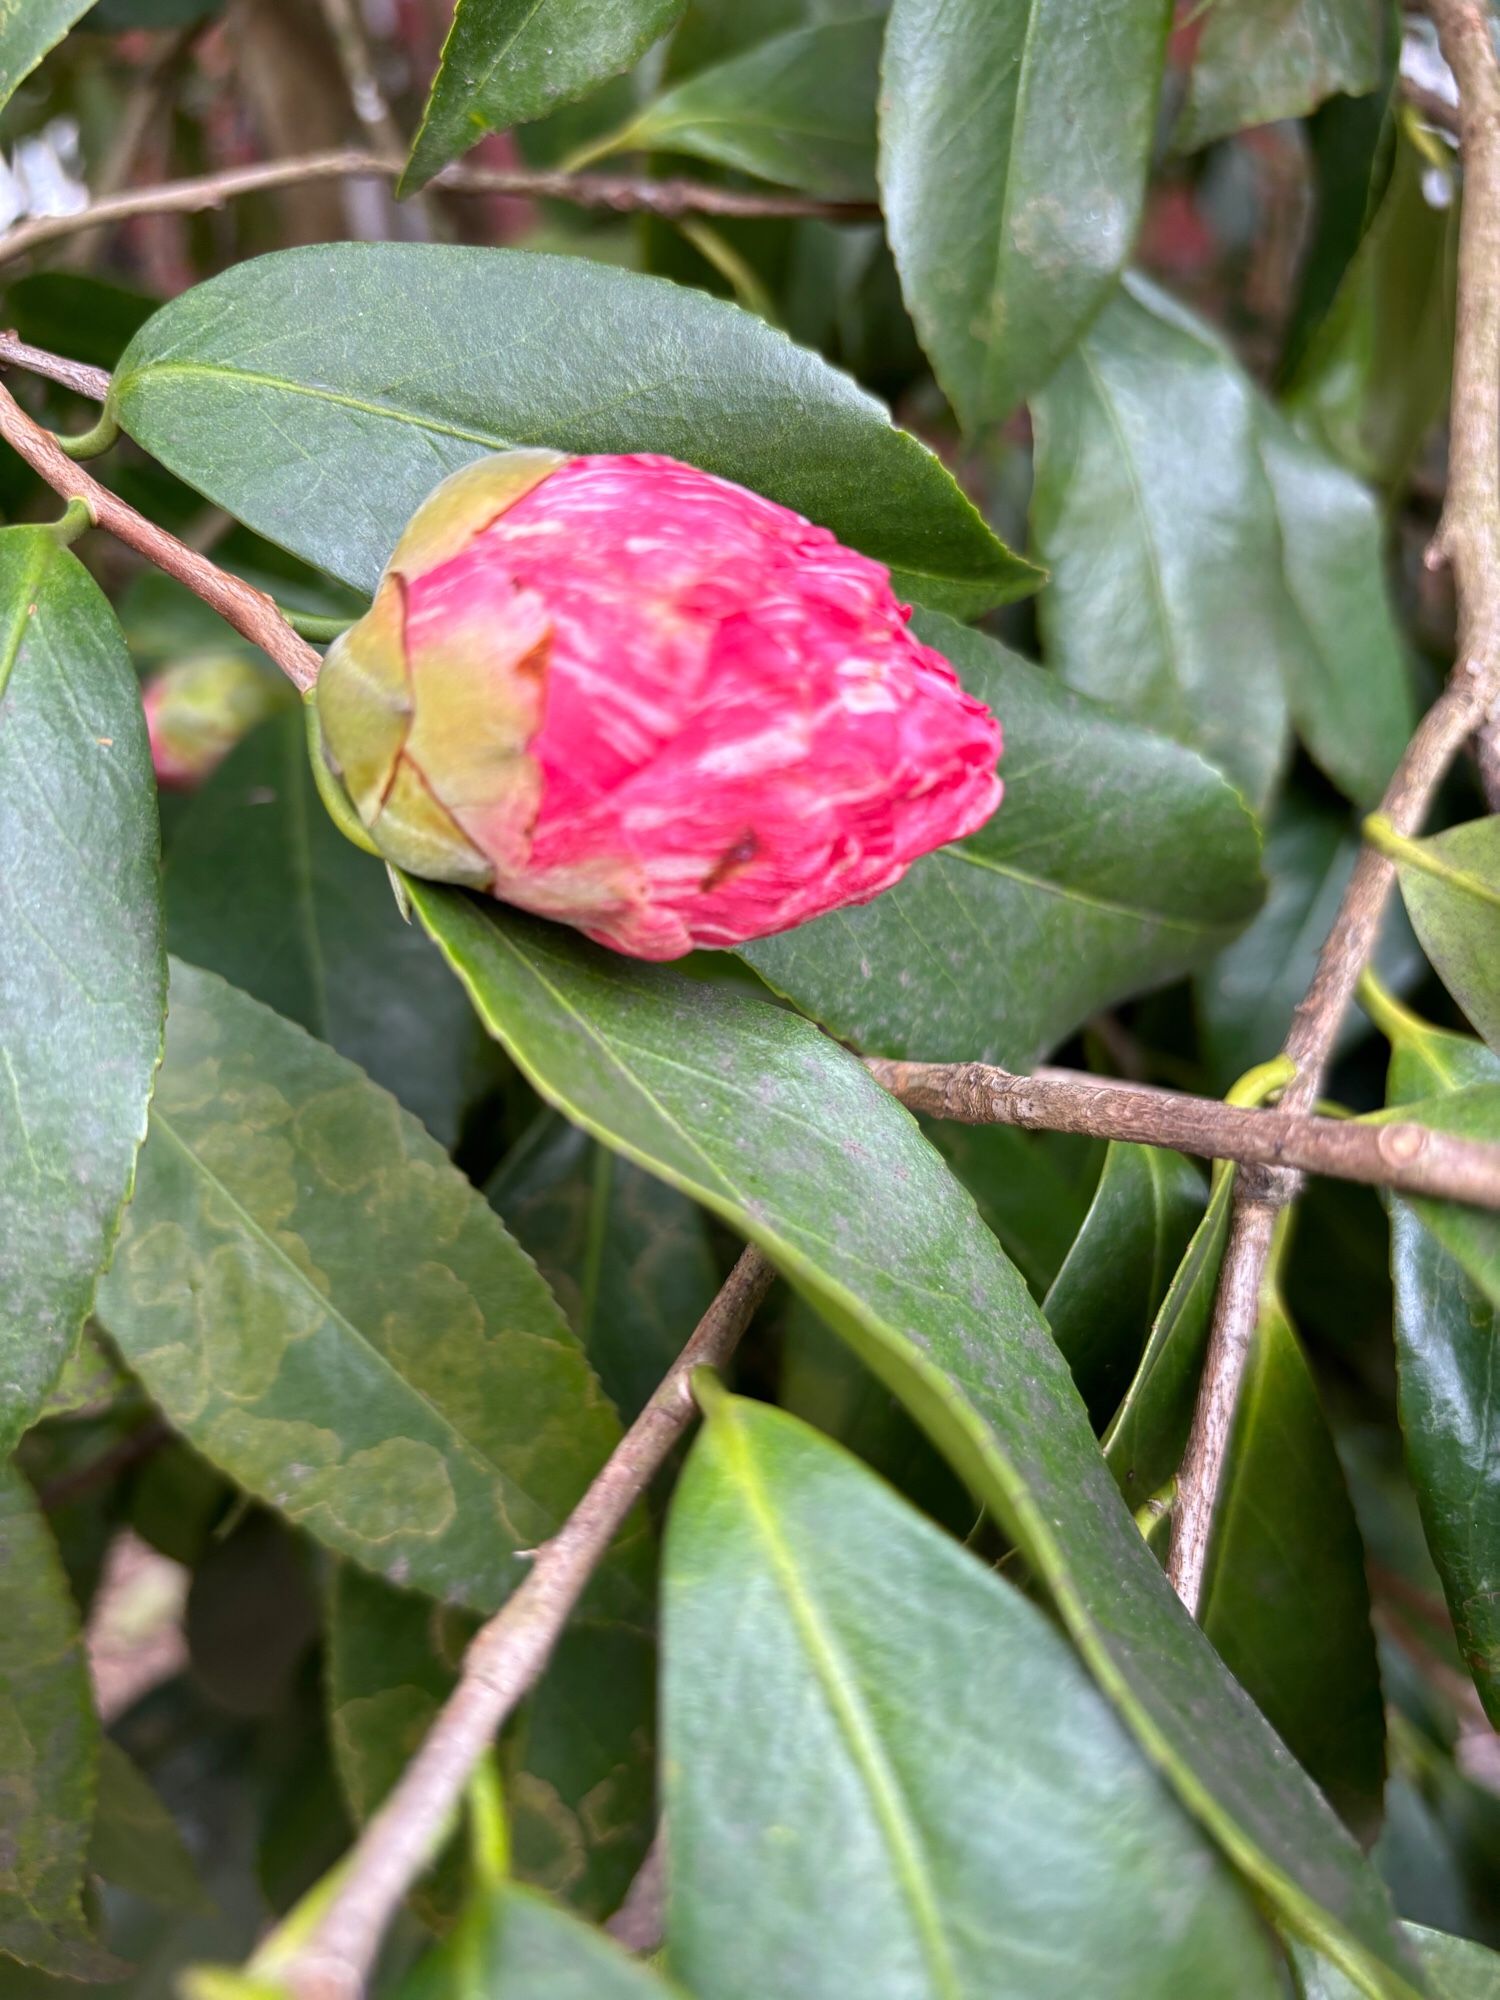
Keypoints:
pixel 1104 1298
pixel 1260 60
pixel 1025 1190
pixel 508 61
pixel 1155 516
pixel 49 1750
pixel 1374 377
pixel 784 1134
pixel 1350 693
pixel 27 31
pixel 579 1761
pixel 628 1258
pixel 1116 861
pixel 136 1845
pixel 519 1945
pixel 1144 1443
pixel 323 1305
pixel 799 108
pixel 83 982
pixel 1284 1592
pixel 301 392
pixel 1009 227
pixel 262 888
pixel 798 1586
pixel 1447 1340
pixel 1456 1969
pixel 1451 886
pixel 1472 1111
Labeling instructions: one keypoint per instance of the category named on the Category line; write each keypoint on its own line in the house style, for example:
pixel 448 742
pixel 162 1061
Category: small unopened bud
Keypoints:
pixel 198 709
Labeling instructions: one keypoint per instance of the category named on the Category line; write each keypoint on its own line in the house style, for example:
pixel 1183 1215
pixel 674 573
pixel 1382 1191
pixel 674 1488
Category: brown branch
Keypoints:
pixel 1468 537
pixel 503 1664
pixel 619 192
pixel 1410 1157
pixel 240 604
pixel 75 375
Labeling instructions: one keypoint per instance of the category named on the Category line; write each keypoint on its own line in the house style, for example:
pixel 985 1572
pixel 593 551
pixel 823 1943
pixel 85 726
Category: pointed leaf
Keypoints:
pixel 1260 60
pixel 136 1845
pixel 323 1306
pixel 997 947
pixel 1451 886
pixel 797 1585
pixel 518 1944
pixel 27 32
pixel 784 1135
pixel 82 975
pixel 1009 230
pixel 325 429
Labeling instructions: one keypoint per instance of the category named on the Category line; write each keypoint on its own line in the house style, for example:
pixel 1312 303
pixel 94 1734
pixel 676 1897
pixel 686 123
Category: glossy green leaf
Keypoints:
pixel 958 1812
pixel 579 1768
pixel 1374 377
pixel 1456 1969
pixel 1260 60
pixel 1116 861
pixel 1103 1300
pixel 1009 231
pixel 1451 886
pixel 1472 1235
pixel 785 1135
pixel 28 28
pixel 262 888
pixel 506 62
pixel 325 428
pixel 135 1844
pixel 82 975
pixel 322 1305
pixel 1347 682
pixel 1351 142
pixel 799 109
pixel 517 1945
pixel 1447 1340
pixel 1025 1190
pixel 627 1257
pixel 1284 1593
pixel 1145 1439
pixel 1154 514
pixel 49 1750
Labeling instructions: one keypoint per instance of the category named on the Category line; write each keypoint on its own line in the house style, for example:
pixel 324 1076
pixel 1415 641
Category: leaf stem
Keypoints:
pixel 310 625
pixel 1419 854
pixel 76 519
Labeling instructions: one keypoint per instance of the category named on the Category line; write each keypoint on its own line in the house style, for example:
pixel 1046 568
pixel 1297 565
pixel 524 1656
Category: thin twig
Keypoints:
pixel 503 1664
pixel 620 192
pixel 1468 537
pixel 1412 1158
pixel 75 375
pixel 240 604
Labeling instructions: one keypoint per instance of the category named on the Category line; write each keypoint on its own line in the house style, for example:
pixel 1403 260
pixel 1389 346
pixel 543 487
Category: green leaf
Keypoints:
pixel 1148 1434
pixel 1009 230
pixel 1350 693
pixel 84 980
pixel 1374 377
pixel 1451 886
pixel 518 1944
pixel 797 1585
pixel 323 1306
pixel 136 1845
pixel 1024 1189
pixel 799 109
pixel 628 1258
pixel 579 1762
pixel 1260 60
pixel 785 1135
pixel 997 947
pixel 325 428
pixel 1471 1234
pixel 27 31
pixel 49 1751
pixel 1102 1302
pixel 1456 1969
pixel 1284 1594
pixel 1153 512
pixel 506 62
pixel 1447 1338
pixel 262 888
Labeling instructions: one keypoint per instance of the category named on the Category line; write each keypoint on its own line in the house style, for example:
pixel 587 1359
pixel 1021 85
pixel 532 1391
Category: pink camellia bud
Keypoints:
pixel 198 709
pixel 626 694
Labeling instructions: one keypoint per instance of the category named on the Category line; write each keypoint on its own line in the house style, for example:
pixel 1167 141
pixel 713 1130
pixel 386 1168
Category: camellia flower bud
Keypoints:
pixel 629 695
pixel 197 709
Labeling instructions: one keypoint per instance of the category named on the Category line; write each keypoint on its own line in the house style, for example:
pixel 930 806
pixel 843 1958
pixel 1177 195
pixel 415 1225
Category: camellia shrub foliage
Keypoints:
pixel 696 1297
